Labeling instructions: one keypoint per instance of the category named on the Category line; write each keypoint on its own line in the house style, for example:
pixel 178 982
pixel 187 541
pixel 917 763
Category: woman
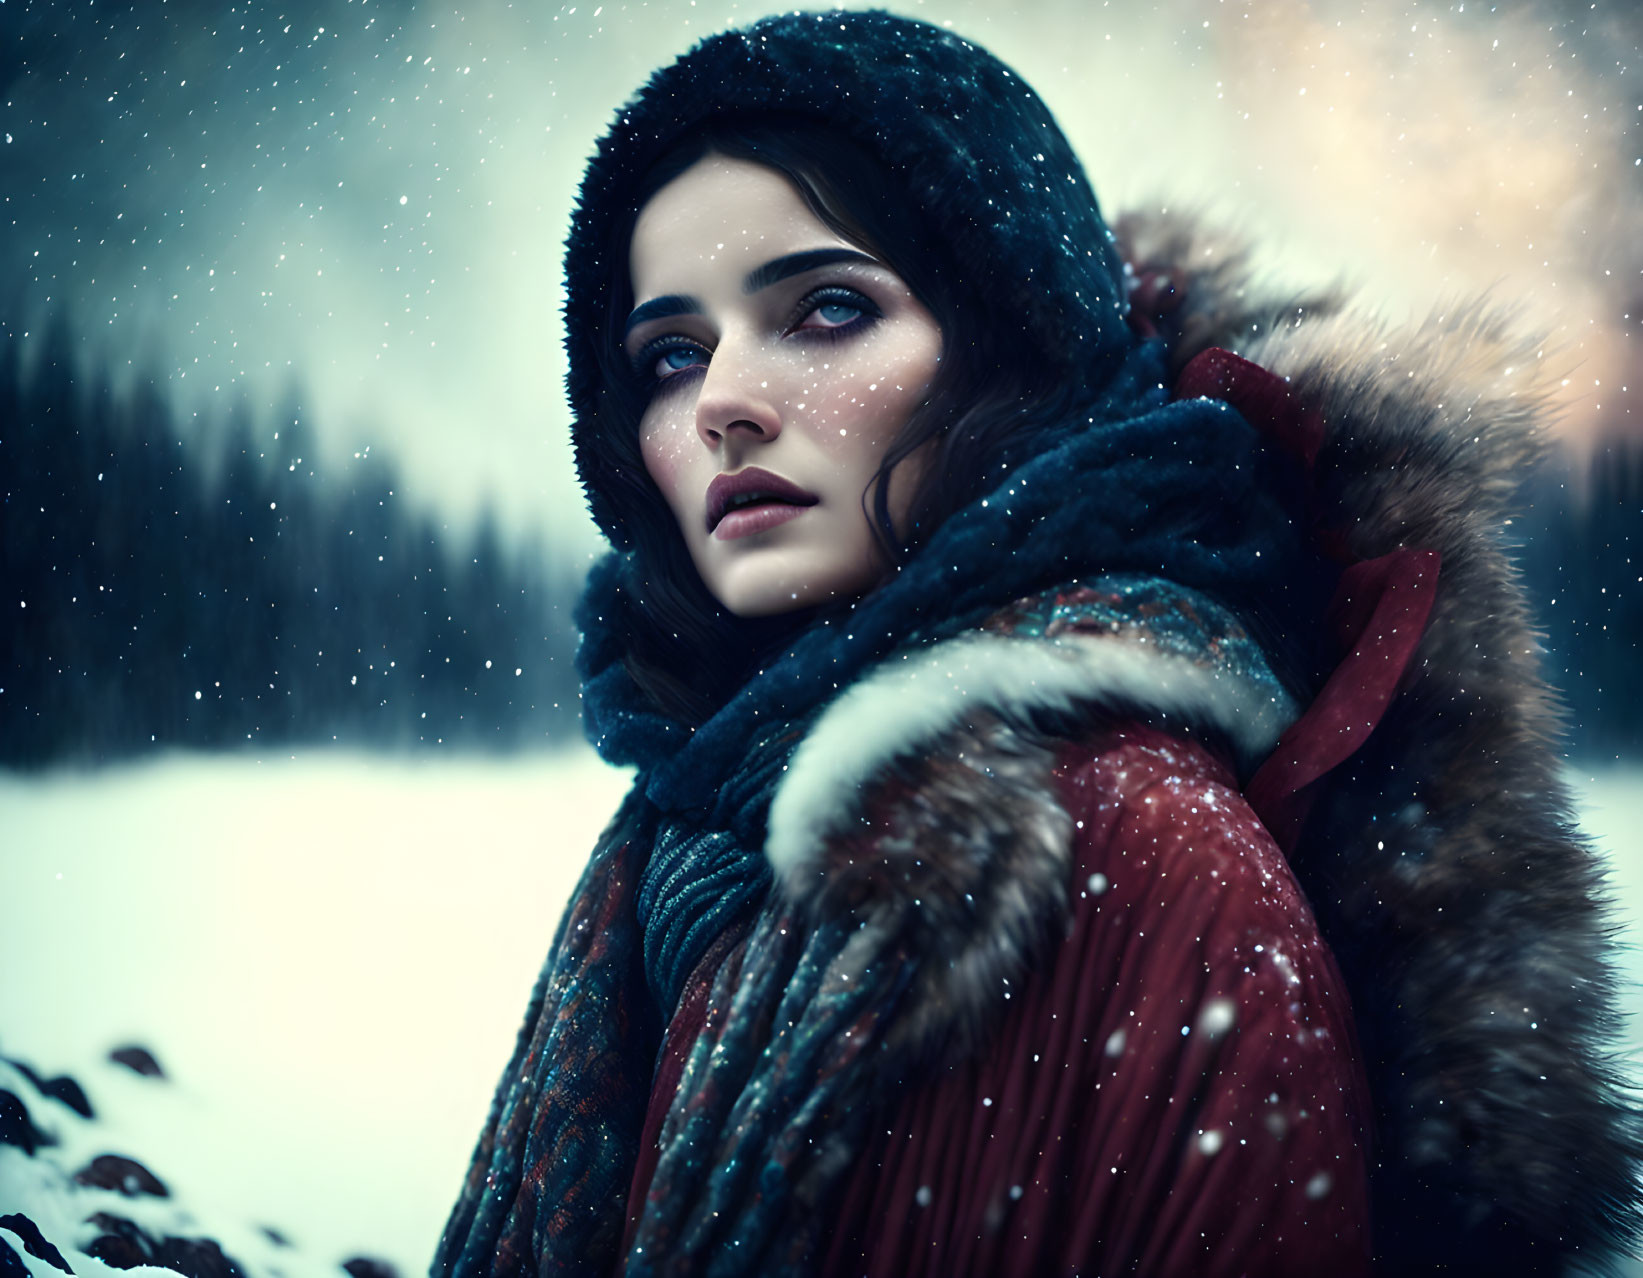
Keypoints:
pixel 987 619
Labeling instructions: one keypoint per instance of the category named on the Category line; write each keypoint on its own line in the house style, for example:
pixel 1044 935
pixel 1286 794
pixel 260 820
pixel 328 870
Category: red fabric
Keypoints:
pixel 1264 399
pixel 1379 611
pixel 1237 1147
pixel 1379 614
pixel 682 1032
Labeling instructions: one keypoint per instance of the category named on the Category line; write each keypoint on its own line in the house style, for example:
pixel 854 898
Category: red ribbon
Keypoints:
pixel 1378 614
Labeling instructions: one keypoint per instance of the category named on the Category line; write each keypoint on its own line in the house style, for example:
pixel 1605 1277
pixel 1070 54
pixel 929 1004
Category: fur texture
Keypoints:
pixel 1465 909
pixel 1002 875
pixel 919 97
pixel 965 849
pixel 901 708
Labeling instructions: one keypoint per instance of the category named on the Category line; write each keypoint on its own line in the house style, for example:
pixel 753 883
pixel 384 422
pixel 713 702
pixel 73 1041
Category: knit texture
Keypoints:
pixel 767 1117
pixel 796 1054
pixel 1182 490
pixel 1182 486
pixel 975 151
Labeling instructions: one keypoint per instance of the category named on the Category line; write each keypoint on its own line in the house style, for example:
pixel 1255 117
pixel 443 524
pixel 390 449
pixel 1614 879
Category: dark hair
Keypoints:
pixel 990 399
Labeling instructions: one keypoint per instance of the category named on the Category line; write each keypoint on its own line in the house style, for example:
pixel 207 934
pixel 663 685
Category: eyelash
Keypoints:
pixel 832 295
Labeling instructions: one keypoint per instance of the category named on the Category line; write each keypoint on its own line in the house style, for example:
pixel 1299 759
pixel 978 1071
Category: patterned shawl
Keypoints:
pixel 764 1123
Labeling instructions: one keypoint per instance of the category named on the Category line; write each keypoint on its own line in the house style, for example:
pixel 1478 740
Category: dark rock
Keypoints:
pixel 121 1245
pixel 61 1088
pixel 370 1267
pixel 274 1236
pixel 65 1089
pixel 122 1174
pixel 15 1125
pixel 11 1264
pixel 34 1240
pixel 197 1258
pixel 137 1059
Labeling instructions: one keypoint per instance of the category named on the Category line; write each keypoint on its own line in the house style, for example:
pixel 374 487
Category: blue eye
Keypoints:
pixel 841 312
pixel 838 312
pixel 674 358
pixel 665 358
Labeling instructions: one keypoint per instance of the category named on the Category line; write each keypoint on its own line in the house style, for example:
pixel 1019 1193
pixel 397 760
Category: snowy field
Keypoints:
pixel 329 955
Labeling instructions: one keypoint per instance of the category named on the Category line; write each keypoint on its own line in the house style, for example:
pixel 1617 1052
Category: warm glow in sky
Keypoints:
pixel 366 200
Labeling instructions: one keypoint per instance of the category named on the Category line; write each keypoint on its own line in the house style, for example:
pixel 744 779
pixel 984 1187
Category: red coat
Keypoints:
pixel 1179 1091
pixel 1418 796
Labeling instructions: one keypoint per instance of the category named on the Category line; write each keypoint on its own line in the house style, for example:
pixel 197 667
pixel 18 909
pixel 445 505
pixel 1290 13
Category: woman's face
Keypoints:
pixel 777 356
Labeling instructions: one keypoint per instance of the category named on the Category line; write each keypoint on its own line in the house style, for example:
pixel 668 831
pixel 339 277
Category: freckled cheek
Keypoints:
pixel 869 402
pixel 665 447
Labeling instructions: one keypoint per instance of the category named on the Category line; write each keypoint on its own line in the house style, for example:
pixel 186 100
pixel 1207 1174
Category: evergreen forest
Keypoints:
pixel 163 593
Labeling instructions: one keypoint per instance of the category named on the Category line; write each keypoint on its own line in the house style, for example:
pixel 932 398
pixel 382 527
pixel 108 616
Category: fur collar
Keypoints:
pixel 921 798
pixel 906 705
pixel 1465 909
pixel 1442 858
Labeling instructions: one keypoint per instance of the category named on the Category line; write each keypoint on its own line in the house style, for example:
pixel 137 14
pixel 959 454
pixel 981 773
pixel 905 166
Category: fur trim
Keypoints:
pixel 905 705
pixel 1466 910
pixel 922 801
pixel 1467 913
pixel 965 863
pixel 1196 282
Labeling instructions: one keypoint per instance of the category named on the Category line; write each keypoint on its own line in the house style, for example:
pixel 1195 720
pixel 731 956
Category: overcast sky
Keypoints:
pixel 367 199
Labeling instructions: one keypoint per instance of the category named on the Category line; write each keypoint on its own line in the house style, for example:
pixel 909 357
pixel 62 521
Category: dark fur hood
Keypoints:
pixel 1006 205
pixel 1464 906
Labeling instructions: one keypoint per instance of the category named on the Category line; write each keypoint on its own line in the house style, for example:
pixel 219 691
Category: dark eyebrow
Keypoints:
pixel 760 277
pixel 661 308
pixel 780 268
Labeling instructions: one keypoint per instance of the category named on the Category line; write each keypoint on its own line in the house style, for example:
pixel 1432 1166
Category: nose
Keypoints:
pixel 734 402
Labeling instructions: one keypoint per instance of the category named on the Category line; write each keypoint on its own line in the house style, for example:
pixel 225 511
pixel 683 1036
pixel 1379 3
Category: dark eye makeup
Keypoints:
pixel 648 361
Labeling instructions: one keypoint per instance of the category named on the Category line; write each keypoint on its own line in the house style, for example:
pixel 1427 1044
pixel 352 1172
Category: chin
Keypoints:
pixel 749 599
pixel 751 604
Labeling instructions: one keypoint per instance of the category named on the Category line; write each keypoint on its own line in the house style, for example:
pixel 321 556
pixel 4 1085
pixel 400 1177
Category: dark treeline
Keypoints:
pixel 159 593
pixel 1580 545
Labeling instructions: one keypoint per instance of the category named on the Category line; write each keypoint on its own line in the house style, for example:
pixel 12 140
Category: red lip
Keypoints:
pixel 751 479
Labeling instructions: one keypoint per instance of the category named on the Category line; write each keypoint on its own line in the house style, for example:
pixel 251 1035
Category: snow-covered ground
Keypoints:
pixel 329 955
pixel 1611 812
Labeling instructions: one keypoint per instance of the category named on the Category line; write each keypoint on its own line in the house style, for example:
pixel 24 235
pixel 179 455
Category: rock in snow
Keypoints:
pixel 76 1204
pixel 137 1059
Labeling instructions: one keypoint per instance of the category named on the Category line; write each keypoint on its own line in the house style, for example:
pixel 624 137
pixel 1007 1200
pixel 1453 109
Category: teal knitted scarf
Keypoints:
pixel 765 1122
pixel 757 1138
